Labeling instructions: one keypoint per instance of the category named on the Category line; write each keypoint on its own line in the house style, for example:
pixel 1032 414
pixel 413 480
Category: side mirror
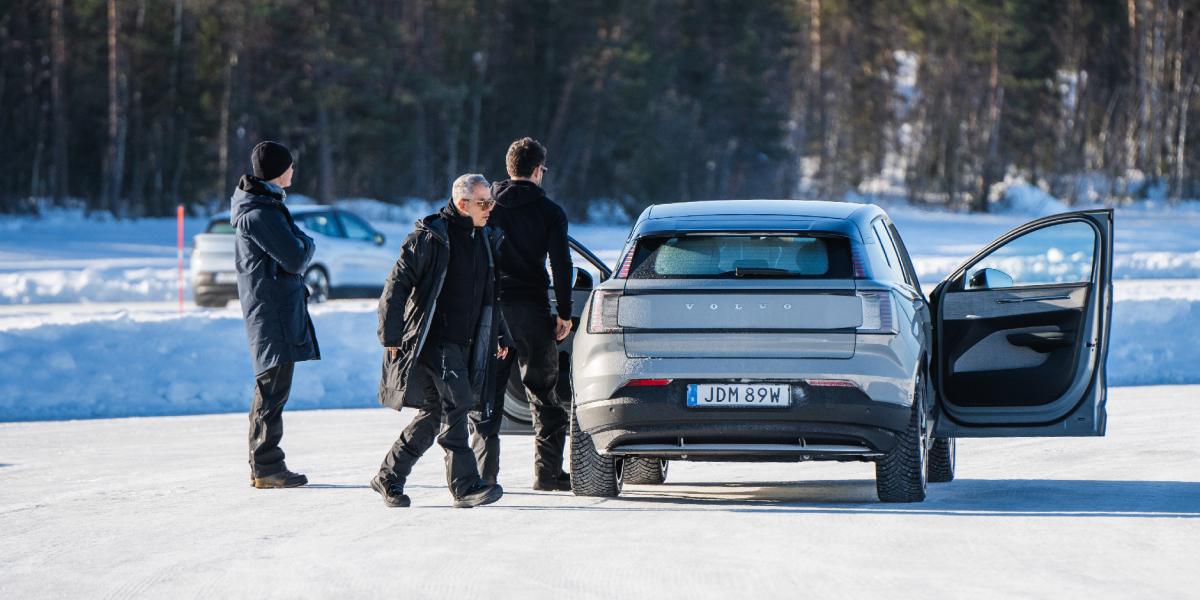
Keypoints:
pixel 583 280
pixel 379 239
pixel 989 279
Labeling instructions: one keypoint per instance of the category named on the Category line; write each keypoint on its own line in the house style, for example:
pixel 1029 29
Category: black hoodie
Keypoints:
pixel 534 227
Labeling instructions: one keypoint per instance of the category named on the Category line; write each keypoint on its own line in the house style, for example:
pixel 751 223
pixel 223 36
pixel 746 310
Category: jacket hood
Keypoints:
pixel 437 226
pixel 515 194
pixel 452 217
pixel 253 193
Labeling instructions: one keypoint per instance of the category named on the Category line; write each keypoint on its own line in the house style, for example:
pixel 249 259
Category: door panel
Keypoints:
pixel 589 270
pixel 1027 359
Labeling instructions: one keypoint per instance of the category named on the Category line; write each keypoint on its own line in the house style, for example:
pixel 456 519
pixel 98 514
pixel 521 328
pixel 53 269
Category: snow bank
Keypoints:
pixel 137 364
pixel 101 284
pixel 1023 198
pixel 127 364
pixel 383 212
pixel 1154 342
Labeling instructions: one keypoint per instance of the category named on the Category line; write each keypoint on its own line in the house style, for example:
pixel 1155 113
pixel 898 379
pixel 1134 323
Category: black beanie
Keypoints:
pixel 270 160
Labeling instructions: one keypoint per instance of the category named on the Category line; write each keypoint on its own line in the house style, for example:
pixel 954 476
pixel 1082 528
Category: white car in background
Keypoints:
pixel 351 257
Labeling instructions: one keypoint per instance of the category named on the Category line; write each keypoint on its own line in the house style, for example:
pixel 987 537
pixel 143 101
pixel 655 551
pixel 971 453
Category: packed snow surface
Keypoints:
pixel 161 507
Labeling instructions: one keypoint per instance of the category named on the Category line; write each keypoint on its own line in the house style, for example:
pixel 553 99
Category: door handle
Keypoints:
pixel 1033 299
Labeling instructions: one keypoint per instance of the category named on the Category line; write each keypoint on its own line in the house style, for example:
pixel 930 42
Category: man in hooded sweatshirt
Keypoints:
pixel 534 228
pixel 271 255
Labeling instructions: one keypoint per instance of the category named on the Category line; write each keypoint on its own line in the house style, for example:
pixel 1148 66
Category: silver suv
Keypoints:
pixel 795 330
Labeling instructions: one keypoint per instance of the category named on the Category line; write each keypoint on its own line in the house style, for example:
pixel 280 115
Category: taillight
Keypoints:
pixel 877 312
pixel 647 382
pixel 856 261
pixel 626 263
pixel 834 383
pixel 603 316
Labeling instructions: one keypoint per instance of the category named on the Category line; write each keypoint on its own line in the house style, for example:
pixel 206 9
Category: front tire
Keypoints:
pixel 211 302
pixel 941 460
pixel 643 471
pixel 901 475
pixel 592 474
pixel 317 282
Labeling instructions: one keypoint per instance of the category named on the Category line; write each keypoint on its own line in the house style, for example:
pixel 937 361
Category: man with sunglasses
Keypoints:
pixel 534 228
pixel 440 325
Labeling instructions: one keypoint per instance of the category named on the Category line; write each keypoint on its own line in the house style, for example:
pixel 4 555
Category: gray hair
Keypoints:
pixel 464 186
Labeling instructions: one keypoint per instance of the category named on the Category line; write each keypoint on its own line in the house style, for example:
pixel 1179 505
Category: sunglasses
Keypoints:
pixel 486 204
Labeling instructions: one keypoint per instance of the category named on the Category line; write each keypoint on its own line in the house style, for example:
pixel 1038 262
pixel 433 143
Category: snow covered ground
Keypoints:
pixel 160 507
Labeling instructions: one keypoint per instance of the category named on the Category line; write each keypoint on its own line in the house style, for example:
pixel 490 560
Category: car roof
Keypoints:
pixel 732 215
pixel 791 208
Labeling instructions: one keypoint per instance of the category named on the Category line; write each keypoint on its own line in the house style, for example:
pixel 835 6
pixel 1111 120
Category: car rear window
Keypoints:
pixel 742 255
pixel 219 226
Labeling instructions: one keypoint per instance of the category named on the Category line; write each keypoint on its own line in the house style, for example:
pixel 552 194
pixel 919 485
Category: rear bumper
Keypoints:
pixel 203 287
pixel 821 423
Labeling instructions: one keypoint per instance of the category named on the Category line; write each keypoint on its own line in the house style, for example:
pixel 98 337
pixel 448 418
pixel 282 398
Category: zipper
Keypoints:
pixel 437 290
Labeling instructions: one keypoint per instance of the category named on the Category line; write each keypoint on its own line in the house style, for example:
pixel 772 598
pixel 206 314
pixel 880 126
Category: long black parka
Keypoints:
pixel 408 304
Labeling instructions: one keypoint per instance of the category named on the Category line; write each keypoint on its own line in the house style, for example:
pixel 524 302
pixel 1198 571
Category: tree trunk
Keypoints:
pixel 816 98
pixel 60 171
pixel 1181 141
pixel 480 60
pixel 324 153
pixel 223 188
pixel 989 173
pixel 454 115
pixel 117 125
pixel 176 138
pixel 137 118
pixel 421 160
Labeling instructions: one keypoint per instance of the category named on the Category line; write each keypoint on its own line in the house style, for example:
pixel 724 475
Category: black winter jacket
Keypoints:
pixel 534 227
pixel 271 255
pixel 408 304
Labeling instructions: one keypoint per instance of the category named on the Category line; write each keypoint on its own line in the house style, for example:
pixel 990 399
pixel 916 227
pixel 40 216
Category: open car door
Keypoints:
pixel 589 270
pixel 1021 332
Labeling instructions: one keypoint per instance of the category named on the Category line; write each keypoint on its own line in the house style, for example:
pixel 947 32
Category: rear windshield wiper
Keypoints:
pixel 759 272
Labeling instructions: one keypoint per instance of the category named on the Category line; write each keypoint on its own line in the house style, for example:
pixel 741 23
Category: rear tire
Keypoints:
pixel 901 475
pixel 592 474
pixel 941 460
pixel 643 471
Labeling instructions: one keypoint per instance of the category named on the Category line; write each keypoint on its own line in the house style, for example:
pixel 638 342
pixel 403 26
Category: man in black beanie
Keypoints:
pixel 272 255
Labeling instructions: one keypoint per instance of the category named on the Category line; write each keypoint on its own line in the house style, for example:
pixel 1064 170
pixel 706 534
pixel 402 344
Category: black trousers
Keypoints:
pixel 441 376
pixel 536 353
pixel 271 390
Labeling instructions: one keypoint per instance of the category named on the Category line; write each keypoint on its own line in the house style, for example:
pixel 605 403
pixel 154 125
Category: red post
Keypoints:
pixel 179 237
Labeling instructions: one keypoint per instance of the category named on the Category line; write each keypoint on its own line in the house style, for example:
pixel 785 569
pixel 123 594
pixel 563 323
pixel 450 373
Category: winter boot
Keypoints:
pixel 478 495
pixel 562 483
pixel 393 493
pixel 282 479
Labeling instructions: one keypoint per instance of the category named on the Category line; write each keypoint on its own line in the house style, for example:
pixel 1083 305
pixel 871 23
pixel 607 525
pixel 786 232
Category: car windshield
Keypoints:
pixel 785 256
pixel 219 226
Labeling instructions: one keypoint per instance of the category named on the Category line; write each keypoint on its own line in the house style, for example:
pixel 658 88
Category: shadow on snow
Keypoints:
pixel 963 497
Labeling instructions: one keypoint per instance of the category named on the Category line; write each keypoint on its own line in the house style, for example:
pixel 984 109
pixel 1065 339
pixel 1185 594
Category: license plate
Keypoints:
pixel 756 395
pixel 225 278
